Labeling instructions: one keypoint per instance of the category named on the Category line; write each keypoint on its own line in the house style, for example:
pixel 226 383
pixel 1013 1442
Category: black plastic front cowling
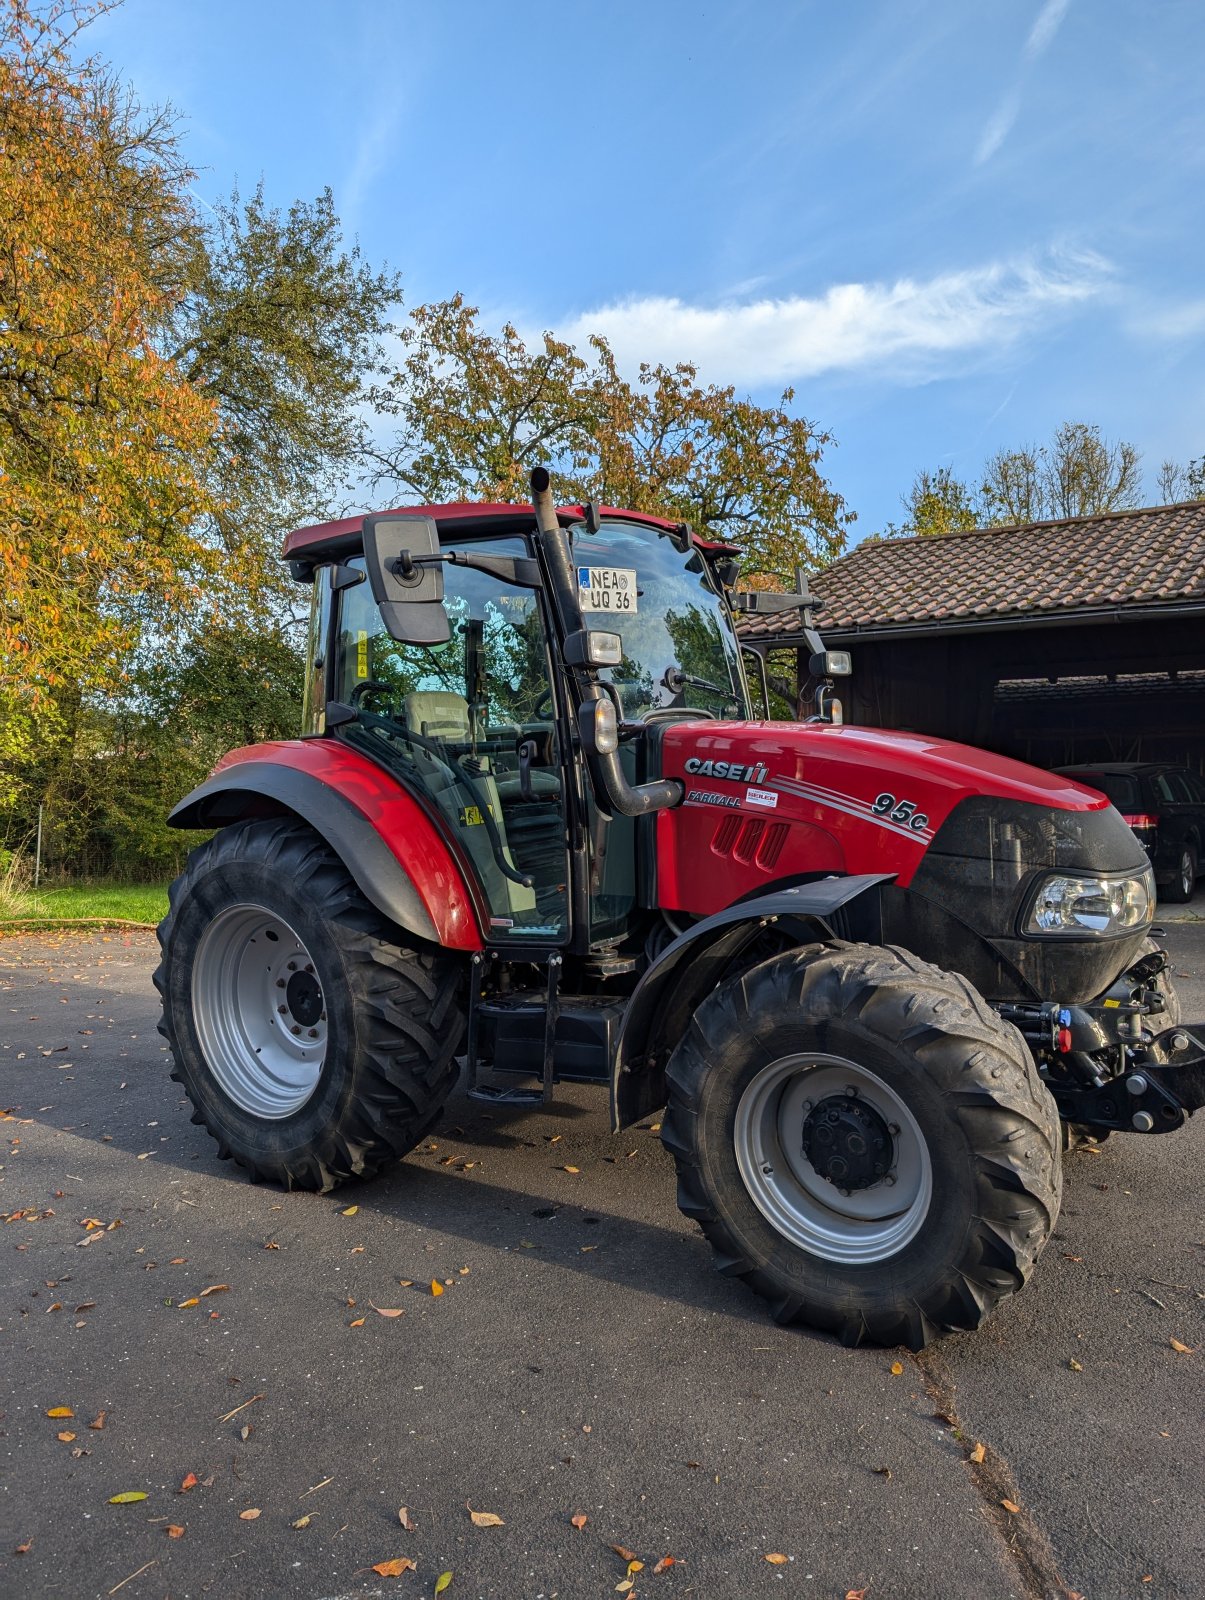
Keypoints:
pixel 963 909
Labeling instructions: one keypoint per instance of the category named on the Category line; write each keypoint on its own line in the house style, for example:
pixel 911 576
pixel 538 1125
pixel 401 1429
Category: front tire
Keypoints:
pixel 313 1047
pixel 853 1065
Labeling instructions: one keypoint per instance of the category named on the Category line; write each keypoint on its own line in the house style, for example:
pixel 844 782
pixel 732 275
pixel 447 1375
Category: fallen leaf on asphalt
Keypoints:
pixel 271 1245
pixel 357 1323
pixel 403 1517
pixel 624 1555
pixel 350 1211
pixel 464 1271
pixel 406 1283
pixel 302 1522
pixel 485 1519
pixel 178 1261
pixel 635 1566
pixel 579 1521
pixel 244 1432
pixel 855 1594
pixel 553 1138
pixel 184 1304
pixel 882 1472
pixel 442 1582
pixel 395 1568
pixel 60 1411
pixel 66 1438
pixel 190 1482
pixel 57 1306
pixel 897 1368
pixel 437 1288
pixel 623 1586
pixel 215 1288
pixel 1074 1364
pixel 388 1311
pixel 88 1305
pixel 571 1169
pixel 23 1549
pixel 127 1497
pixel 1176 1344
pixel 978 1453
pixel 777 1559
pixel 249 1515
pixel 1012 1506
pixel 664 1563
pixel 174 1530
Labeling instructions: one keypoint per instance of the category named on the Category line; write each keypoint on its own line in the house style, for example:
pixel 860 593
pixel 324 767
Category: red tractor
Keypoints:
pixel 535 823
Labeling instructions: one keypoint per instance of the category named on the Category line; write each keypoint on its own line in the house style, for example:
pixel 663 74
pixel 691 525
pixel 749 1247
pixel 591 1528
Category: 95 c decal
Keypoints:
pixel 901 811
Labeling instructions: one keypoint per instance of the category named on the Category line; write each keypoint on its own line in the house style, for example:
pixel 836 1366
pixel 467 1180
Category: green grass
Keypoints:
pixel 110 902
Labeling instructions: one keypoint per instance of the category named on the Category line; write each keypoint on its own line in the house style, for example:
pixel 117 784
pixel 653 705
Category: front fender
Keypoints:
pixel 378 829
pixel 687 971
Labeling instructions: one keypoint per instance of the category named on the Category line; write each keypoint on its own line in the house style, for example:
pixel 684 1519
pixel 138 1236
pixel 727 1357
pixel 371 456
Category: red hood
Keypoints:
pixel 770 800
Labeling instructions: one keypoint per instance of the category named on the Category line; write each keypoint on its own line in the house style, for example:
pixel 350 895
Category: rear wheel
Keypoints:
pixel 312 1046
pixel 1180 890
pixel 864 1142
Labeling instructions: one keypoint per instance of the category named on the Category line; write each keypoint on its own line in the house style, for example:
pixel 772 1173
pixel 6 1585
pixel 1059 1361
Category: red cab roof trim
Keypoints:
pixel 462 511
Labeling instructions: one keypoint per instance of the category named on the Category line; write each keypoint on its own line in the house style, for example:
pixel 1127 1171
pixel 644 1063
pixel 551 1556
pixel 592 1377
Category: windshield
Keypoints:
pixel 678 647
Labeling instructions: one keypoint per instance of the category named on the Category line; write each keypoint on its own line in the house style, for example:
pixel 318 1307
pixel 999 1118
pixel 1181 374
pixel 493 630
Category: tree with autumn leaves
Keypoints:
pixel 176 391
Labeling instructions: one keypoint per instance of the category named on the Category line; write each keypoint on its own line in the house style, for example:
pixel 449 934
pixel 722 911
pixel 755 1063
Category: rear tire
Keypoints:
pixel 312 1046
pixel 1183 886
pixel 976 1153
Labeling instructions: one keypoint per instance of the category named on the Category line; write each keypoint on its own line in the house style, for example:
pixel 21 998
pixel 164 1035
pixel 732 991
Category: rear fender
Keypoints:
pixel 687 971
pixel 382 835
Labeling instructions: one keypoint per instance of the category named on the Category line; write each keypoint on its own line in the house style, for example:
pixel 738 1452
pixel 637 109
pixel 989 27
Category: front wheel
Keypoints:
pixel 312 1046
pixel 864 1142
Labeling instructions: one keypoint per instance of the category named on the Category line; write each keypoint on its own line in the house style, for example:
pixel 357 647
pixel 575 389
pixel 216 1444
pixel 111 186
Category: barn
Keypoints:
pixel 1056 642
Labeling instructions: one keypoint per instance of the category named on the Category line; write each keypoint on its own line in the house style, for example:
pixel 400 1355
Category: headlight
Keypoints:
pixel 1069 904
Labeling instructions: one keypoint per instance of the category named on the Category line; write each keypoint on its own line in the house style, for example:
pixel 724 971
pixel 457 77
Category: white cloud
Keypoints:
pixel 911 328
pixel 1047 24
pixel 998 128
pixel 372 151
pixel 1183 321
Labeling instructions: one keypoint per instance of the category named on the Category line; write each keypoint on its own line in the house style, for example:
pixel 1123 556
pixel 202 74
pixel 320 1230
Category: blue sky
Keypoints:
pixel 949 226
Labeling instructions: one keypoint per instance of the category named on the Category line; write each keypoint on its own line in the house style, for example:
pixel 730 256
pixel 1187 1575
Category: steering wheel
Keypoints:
pixel 545 699
pixel 369 686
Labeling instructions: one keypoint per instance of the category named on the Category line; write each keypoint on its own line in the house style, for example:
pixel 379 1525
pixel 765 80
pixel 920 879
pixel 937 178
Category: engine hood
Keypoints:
pixel 964 833
pixel 880 797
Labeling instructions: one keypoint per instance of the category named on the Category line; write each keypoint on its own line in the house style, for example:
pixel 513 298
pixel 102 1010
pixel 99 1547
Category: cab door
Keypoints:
pixel 470 724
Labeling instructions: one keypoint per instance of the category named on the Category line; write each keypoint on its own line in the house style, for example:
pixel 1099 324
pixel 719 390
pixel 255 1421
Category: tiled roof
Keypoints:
pixel 1153 556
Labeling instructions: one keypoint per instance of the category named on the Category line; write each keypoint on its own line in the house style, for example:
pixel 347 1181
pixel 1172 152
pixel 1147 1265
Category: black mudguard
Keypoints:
pixel 687 970
pixel 269 789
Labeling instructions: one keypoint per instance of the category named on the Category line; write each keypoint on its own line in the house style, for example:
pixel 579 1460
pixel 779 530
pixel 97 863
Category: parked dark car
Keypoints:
pixel 1165 806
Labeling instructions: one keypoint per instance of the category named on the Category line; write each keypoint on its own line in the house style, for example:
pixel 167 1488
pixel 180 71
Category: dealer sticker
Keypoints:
pixel 611 589
pixel 761 797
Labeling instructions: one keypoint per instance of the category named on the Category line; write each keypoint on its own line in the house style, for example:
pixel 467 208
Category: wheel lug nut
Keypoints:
pixel 893 1129
pixel 292 966
pixel 309 966
pixel 283 1010
pixel 890 1178
pixel 294 1029
pixel 313 1033
pixel 322 1018
pixel 280 983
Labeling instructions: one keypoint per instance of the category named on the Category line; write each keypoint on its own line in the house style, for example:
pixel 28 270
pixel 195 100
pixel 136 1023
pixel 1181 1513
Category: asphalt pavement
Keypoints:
pixel 582 1363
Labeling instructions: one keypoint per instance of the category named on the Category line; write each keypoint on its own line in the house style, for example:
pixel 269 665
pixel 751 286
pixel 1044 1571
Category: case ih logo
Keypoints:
pixel 734 771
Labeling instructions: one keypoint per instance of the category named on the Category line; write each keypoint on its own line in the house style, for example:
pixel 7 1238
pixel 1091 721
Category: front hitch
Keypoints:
pixel 1164 1083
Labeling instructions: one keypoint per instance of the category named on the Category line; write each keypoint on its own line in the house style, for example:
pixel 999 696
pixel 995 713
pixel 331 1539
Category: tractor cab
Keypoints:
pixel 438 650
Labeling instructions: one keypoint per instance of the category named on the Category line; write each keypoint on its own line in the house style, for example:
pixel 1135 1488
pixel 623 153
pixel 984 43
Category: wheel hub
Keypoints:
pixel 303 996
pixel 848 1142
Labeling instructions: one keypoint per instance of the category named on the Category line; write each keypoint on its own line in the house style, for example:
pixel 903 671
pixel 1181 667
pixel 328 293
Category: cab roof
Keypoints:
pixel 333 541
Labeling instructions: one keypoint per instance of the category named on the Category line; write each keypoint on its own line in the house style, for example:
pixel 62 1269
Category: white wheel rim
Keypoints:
pixel 857 1228
pixel 259 1010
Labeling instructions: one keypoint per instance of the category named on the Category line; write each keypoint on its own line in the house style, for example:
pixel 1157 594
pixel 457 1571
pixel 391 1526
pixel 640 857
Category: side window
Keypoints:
pixel 470 723
pixel 313 700
pixel 1196 787
pixel 1181 786
pixel 1163 789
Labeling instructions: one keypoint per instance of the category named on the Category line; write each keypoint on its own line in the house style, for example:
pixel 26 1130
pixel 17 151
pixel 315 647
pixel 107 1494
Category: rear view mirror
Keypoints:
pixel 406 573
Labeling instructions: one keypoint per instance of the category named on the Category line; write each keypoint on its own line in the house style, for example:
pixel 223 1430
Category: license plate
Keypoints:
pixel 611 589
